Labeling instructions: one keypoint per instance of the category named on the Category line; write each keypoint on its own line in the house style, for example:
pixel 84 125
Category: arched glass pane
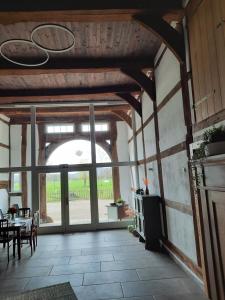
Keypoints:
pixel 76 152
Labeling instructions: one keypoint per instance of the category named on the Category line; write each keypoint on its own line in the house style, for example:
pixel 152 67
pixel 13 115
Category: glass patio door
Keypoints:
pixel 66 199
pixel 79 200
pixel 50 199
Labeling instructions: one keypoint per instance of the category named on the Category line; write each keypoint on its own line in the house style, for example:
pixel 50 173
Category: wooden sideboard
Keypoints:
pixel 211 190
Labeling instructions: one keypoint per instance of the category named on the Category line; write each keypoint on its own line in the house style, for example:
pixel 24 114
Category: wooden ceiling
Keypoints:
pixel 107 39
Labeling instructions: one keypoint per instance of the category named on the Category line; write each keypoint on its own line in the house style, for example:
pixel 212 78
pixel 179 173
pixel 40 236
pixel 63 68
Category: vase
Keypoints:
pixel 146 190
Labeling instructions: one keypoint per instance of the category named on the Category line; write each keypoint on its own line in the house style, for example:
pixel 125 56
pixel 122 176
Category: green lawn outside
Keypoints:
pixel 79 189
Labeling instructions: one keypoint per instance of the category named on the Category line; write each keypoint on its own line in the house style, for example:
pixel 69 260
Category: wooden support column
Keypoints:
pixel 142 80
pixel 123 116
pixel 115 170
pixel 132 101
pixel 42 177
pixel 160 173
pixel 23 164
pixel 189 140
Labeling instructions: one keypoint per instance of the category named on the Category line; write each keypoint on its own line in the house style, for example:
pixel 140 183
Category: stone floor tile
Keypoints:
pixel 13 284
pixel 179 297
pixel 170 271
pixel 23 272
pixel 99 292
pixel 46 262
pixel 91 258
pixel 134 264
pixel 154 287
pixel 110 277
pixel 137 298
pixel 75 268
pixel 39 282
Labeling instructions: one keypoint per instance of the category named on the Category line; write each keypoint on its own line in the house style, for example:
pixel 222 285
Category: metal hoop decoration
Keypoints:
pixel 55 26
pixel 22 41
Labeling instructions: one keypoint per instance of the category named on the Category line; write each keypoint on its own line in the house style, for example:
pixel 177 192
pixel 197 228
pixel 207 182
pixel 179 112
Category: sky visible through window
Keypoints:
pixel 77 152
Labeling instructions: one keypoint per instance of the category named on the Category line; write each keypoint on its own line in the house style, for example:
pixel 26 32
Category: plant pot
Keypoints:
pixel 215 148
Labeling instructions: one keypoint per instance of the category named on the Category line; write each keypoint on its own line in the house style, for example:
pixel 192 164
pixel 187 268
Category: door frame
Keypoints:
pixel 65 227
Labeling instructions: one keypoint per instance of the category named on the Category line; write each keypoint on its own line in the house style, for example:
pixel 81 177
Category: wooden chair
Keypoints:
pixel 29 237
pixel 24 212
pixel 6 236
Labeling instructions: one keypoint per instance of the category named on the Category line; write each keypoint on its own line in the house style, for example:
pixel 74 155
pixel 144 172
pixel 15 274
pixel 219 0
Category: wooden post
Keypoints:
pixel 115 170
pixel 23 163
pixel 42 177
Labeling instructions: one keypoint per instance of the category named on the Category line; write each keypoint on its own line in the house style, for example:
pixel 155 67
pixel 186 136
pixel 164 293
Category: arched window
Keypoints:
pixel 77 152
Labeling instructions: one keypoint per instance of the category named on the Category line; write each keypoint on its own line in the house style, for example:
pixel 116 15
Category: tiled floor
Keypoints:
pixel 99 265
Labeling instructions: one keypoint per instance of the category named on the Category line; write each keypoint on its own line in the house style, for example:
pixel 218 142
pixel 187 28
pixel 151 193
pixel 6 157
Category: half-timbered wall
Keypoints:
pixel 4 161
pixel 173 155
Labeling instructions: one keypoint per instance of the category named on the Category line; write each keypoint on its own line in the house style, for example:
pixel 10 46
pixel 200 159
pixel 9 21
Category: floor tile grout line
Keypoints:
pixel 49 273
pixel 122 289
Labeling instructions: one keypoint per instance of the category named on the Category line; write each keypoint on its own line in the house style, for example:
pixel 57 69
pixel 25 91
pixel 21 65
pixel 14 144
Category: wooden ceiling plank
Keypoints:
pixel 145 82
pixel 173 39
pixel 13 11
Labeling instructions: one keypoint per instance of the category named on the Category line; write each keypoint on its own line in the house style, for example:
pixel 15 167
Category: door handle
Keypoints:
pixel 67 200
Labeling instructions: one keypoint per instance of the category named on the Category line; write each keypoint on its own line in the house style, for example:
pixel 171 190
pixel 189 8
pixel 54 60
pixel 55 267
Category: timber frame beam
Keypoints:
pixel 132 101
pixel 70 94
pixel 74 66
pixel 170 36
pixel 143 81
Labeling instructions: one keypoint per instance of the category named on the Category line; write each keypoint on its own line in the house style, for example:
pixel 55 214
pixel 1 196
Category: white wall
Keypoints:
pixel 121 143
pixel 172 131
pixel 15 138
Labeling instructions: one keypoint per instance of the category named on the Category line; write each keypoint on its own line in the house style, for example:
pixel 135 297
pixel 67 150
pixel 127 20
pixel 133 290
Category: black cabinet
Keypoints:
pixel 148 220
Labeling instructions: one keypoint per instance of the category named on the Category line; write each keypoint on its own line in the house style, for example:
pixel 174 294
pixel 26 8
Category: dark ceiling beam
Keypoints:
pixel 64 66
pixel 13 11
pixel 145 82
pixel 132 101
pixel 52 120
pixel 173 39
pixel 62 111
pixel 65 94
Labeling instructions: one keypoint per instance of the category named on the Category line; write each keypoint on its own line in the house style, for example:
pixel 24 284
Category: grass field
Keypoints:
pixel 79 189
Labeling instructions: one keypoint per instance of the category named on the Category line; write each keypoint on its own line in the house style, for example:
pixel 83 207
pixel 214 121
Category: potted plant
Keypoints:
pixel 122 208
pixel 214 141
pixel 120 202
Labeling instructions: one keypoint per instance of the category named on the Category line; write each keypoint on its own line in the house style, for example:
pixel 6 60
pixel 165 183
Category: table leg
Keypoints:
pixel 18 244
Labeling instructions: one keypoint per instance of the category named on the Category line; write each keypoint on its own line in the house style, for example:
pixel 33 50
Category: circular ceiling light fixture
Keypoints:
pixel 64 29
pixel 26 42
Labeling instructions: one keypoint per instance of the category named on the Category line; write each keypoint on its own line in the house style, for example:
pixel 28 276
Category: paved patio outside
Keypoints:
pixel 79 212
